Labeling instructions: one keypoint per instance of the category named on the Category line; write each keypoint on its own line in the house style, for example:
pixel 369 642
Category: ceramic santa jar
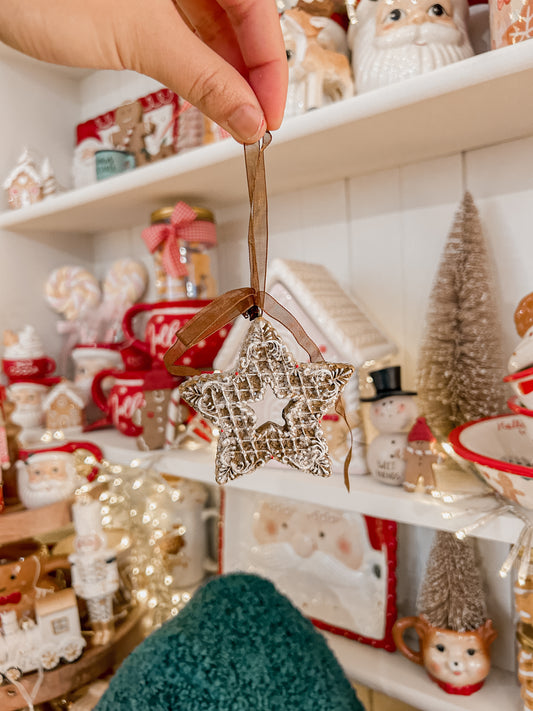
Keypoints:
pixel 46 477
pixel 394 40
pixel 392 412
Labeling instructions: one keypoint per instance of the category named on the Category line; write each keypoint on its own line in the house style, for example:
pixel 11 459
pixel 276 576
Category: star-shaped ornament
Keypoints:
pixel 227 399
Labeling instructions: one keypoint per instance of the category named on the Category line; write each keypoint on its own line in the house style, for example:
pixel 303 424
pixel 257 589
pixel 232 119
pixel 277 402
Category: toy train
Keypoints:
pixel 54 637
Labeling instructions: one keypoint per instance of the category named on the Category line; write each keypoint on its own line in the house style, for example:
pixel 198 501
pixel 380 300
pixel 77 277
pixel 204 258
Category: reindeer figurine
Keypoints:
pixel 317 74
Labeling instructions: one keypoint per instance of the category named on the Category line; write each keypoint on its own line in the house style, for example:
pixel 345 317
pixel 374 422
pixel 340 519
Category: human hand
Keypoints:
pixel 227 57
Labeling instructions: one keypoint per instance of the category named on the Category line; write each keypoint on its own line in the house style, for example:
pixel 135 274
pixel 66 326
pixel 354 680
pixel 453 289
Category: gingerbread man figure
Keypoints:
pixel 420 456
pixel 132 131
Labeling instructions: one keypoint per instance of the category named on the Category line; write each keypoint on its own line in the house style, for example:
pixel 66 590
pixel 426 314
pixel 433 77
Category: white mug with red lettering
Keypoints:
pixel 165 318
pixel 123 400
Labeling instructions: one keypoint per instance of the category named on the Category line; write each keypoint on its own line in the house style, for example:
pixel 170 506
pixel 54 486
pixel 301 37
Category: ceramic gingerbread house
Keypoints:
pixel 63 408
pixel 24 183
pixel 30 181
pixel 341 329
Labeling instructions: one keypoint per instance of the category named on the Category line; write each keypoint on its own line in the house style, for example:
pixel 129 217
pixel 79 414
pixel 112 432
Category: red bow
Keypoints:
pixel 11 599
pixel 182 228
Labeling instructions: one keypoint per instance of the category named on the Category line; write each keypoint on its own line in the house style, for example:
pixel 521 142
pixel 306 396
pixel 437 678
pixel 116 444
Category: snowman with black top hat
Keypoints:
pixel 392 412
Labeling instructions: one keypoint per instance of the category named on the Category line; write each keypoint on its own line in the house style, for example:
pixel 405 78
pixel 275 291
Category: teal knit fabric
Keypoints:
pixel 239 645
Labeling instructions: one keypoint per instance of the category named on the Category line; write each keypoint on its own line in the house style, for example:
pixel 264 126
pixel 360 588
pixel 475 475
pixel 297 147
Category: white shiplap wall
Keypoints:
pixel 380 234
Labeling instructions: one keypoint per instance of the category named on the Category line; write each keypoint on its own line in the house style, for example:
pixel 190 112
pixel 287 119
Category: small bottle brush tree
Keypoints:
pixel 451 596
pixel 461 362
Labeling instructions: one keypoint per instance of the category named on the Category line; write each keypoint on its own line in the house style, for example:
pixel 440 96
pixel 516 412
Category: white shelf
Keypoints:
pixel 480 101
pixel 367 496
pixel 395 676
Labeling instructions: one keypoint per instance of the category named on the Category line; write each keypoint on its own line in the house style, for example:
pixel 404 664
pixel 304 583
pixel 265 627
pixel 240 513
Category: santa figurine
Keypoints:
pixel 393 40
pixel 392 413
pixel 420 455
pixel 94 568
pixel 45 477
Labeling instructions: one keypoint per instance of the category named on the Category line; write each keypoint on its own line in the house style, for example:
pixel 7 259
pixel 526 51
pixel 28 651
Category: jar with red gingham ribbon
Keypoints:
pixel 180 237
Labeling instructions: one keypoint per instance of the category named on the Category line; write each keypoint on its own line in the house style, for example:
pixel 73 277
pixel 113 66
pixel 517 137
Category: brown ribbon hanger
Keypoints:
pixel 253 300
pixel 247 301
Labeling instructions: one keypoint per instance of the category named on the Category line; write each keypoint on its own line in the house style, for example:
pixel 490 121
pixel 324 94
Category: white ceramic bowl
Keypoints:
pixel 502 449
pixel 522 384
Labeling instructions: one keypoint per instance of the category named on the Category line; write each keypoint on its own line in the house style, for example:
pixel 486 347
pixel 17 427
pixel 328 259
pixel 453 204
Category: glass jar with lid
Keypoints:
pixel 193 243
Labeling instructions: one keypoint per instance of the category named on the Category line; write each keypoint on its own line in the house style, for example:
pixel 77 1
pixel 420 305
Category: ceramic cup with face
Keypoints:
pixel 28 397
pixel 24 567
pixel 188 519
pixel 46 477
pixel 458 662
pixel 89 360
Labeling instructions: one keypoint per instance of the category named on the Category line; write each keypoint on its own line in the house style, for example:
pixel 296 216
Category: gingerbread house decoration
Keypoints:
pixel 24 184
pixel 63 408
pixel 343 332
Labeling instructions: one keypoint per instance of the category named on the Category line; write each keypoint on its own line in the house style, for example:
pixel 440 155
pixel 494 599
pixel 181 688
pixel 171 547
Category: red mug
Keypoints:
pixel 124 399
pixel 28 367
pixel 133 358
pixel 165 319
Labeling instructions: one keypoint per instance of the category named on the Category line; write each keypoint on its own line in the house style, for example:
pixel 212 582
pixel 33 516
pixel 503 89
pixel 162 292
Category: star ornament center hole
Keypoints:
pixel 269 408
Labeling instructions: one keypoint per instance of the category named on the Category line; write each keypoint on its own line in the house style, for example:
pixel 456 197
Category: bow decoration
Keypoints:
pixel 172 236
pixel 12 599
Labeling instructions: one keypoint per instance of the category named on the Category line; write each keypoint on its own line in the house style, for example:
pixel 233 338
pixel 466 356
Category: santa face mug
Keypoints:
pixel 28 397
pixel 90 360
pixel 46 477
pixel 125 397
pixel 458 662
pixel 394 40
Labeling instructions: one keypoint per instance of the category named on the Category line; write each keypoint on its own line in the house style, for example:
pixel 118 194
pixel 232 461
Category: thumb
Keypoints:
pixel 170 53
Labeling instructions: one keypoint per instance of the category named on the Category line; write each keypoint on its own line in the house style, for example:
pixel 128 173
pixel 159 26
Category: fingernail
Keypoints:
pixel 247 124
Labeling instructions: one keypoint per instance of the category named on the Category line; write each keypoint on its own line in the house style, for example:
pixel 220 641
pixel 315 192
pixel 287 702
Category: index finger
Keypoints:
pixel 258 31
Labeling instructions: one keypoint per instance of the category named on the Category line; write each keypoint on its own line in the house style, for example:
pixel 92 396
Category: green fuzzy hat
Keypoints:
pixel 239 645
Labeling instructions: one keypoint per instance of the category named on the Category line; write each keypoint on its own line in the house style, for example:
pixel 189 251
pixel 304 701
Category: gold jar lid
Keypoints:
pixel 164 213
pixel 524 636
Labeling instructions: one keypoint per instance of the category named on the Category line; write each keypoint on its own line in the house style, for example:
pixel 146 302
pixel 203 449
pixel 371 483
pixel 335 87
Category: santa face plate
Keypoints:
pixel 337 567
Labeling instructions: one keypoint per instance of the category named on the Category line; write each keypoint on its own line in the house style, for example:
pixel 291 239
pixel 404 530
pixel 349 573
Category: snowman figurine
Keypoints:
pixel 393 412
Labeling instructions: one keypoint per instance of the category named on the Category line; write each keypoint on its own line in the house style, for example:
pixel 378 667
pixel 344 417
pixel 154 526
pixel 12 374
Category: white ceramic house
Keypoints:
pixel 339 327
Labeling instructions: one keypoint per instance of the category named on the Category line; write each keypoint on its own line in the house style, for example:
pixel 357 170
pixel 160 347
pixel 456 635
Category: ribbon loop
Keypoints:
pixel 248 301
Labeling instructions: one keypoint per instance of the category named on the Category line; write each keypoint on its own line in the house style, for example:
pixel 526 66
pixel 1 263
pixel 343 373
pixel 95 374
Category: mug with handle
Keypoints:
pixel 165 318
pixel 123 400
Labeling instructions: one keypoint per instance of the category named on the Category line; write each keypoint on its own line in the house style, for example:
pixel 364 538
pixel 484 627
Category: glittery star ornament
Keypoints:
pixel 226 399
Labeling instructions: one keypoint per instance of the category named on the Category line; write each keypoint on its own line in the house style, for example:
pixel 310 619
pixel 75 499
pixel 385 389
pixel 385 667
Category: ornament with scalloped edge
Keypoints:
pixel 227 399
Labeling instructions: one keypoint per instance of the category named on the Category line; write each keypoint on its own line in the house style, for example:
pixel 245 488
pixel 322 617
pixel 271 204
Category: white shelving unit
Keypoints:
pixel 387 672
pixel 477 102
pixel 366 496
pixel 394 675
pixel 485 101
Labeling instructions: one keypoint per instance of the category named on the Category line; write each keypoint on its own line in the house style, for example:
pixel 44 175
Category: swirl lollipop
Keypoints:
pixel 72 291
pixel 125 282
